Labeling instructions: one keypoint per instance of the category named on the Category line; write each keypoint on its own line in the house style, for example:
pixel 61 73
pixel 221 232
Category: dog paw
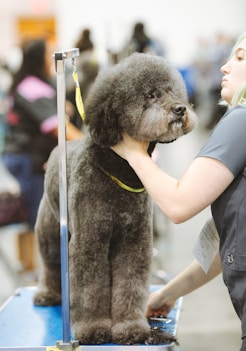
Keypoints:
pixel 97 332
pixel 130 332
pixel 158 336
pixel 47 298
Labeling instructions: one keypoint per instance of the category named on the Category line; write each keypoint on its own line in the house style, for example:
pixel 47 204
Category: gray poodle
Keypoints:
pixel 110 213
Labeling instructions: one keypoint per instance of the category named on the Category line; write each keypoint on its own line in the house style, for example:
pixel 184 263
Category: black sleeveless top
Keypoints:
pixel 228 144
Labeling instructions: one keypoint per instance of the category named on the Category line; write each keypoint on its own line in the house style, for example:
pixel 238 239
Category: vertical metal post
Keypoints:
pixel 61 100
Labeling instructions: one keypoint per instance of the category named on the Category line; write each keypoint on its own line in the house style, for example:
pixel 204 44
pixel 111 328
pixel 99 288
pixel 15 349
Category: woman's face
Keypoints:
pixel 234 72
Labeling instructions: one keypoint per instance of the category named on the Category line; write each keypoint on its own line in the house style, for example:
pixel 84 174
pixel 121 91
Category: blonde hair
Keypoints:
pixel 239 98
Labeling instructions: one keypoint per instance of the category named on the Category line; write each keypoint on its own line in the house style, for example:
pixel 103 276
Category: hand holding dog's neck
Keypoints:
pixel 128 147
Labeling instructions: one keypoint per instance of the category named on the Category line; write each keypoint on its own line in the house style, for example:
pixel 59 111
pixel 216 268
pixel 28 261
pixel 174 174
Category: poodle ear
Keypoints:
pixel 104 125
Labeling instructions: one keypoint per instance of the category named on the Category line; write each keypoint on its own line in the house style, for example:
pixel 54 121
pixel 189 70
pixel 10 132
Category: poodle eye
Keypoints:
pixel 152 97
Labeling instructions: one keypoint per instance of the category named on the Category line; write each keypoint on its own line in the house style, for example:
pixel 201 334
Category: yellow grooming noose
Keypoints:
pixel 78 96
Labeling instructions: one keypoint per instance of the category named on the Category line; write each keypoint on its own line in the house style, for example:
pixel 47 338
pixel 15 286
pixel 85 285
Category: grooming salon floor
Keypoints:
pixel 207 320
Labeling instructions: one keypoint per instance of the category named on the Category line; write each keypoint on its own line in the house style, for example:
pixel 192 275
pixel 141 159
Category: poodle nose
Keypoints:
pixel 179 110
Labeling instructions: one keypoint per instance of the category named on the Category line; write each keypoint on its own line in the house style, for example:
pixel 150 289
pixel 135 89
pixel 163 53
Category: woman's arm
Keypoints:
pixel 204 180
pixel 162 301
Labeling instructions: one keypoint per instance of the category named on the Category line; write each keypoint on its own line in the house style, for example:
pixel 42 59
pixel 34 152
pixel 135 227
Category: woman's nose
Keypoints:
pixel 225 68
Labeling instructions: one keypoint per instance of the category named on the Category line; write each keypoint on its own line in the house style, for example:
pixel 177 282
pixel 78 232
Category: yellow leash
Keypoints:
pixel 78 96
pixel 121 184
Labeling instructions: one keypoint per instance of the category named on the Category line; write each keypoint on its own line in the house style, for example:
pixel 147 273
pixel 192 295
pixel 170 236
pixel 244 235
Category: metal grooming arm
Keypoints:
pixel 60 58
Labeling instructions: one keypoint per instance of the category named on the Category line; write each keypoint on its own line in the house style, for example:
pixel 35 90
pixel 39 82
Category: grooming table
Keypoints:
pixel 24 326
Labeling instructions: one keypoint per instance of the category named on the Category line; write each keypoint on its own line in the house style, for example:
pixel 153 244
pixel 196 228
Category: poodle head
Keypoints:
pixel 144 96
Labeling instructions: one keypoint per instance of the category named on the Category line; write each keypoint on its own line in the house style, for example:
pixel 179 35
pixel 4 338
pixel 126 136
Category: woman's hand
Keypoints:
pixel 129 146
pixel 161 301
pixel 159 304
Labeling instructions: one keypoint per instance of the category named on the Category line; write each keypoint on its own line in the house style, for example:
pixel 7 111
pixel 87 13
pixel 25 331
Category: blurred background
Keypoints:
pixel 196 37
pixel 179 25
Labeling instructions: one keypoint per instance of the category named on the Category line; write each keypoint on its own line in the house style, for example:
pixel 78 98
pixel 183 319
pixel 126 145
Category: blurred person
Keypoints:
pixel 87 63
pixel 5 82
pixel 141 42
pixel 210 56
pixel 217 53
pixel 87 67
pixel 217 177
pixel 32 130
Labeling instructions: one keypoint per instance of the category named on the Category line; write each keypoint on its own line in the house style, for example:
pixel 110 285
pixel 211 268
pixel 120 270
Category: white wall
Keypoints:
pixel 178 23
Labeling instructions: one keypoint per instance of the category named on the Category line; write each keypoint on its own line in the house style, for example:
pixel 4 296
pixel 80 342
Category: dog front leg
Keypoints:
pixel 90 286
pixel 131 267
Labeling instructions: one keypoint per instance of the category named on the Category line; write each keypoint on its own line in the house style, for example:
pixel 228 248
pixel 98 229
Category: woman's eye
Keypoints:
pixel 240 55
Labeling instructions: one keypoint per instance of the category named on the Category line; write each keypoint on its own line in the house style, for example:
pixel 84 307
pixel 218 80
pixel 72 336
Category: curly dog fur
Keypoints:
pixel 110 227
